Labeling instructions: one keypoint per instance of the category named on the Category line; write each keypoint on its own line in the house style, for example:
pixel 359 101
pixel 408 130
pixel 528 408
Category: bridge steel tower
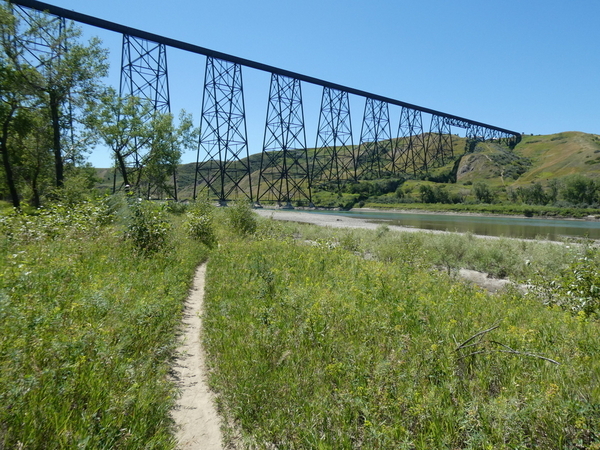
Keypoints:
pixel 333 161
pixel 144 74
pixel 373 156
pixel 222 163
pixel 284 168
pixel 42 51
pixel 439 141
pixel 410 143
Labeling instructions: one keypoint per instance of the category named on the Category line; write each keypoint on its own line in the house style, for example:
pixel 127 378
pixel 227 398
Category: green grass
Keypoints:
pixel 316 347
pixel 317 338
pixel 87 333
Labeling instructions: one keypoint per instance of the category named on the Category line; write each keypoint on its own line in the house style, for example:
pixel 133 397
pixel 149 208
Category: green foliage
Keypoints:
pixel 577 288
pixel 199 224
pixel 483 193
pixel 58 221
pixel 176 208
pixel 580 190
pixel 32 115
pixel 532 195
pixel 437 194
pixel 131 126
pixel 241 219
pixel 148 229
pixel 316 347
pixel 88 330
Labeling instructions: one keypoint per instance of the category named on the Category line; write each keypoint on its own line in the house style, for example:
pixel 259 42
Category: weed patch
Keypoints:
pixel 87 333
pixel 315 347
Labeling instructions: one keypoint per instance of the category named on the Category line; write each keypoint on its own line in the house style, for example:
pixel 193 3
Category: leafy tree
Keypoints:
pixel 34 93
pixel 134 131
pixel 121 124
pixel 532 195
pixel 67 76
pixel 34 162
pixel 426 193
pixel 554 186
pixel 483 193
pixel 165 148
pixel 578 189
pixel 16 97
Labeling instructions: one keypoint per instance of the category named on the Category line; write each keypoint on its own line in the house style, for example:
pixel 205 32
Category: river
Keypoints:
pixel 515 227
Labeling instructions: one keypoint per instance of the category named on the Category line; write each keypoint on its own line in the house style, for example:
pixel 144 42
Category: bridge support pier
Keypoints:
pixel 222 163
pixel 284 171
pixel 374 153
pixel 333 160
pixel 144 74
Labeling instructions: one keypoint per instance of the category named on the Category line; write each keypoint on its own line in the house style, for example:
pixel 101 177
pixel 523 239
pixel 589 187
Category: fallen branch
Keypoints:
pixel 516 352
pixel 476 335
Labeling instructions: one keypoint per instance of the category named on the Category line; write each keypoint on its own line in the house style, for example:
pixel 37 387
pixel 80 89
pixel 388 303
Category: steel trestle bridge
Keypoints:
pixel 289 168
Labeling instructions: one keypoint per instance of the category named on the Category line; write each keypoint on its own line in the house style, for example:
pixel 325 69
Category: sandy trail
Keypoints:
pixel 198 423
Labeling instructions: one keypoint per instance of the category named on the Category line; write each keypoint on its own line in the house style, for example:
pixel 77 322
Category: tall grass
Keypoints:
pixel 317 339
pixel 517 259
pixel 318 348
pixel 87 332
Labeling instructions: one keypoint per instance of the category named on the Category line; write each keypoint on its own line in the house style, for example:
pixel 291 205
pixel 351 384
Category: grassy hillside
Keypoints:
pixel 562 154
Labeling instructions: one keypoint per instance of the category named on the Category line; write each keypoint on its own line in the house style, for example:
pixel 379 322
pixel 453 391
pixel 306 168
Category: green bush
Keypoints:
pixel 241 218
pixel 199 224
pixel 577 289
pixel 148 228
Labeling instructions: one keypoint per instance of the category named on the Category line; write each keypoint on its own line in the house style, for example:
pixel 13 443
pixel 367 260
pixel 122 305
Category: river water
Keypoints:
pixel 516 227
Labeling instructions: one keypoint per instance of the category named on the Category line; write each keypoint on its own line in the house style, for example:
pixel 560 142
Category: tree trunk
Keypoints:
pixel 10 179
pixel 122 168
pixel 36 191
pixel 56 147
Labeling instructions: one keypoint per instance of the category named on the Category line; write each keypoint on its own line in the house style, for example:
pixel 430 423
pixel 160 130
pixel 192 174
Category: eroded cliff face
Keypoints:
pixel 489 161
pixel 476 166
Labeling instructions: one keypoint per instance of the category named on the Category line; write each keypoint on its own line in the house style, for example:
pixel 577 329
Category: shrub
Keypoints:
pixel 579 190
pixel 241 218
pixel 577 289
pixel 176 207
pixel 148 228
pixel 483 193
pixel 199 224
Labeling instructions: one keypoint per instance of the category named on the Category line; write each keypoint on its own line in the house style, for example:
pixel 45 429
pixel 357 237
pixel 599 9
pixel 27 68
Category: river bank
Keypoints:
pixel 479 224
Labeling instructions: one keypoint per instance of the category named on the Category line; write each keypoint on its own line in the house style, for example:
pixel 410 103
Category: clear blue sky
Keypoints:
pixel 531 66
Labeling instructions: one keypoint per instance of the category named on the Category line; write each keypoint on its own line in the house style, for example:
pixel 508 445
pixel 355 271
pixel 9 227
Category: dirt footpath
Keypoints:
pixel 198 423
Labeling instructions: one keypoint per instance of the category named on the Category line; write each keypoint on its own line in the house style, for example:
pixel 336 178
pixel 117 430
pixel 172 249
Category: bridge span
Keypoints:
pixel 289 167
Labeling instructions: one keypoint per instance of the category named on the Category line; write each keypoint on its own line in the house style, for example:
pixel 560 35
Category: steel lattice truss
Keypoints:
pixel 333 157
pixel 410 155
pixel 222 165
pixel 39 47
pixel 439 142
pixel 374 155
pixel 285 174
pixel 284 170
pixel 144 72
pixel 44 48
pixel 144 75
